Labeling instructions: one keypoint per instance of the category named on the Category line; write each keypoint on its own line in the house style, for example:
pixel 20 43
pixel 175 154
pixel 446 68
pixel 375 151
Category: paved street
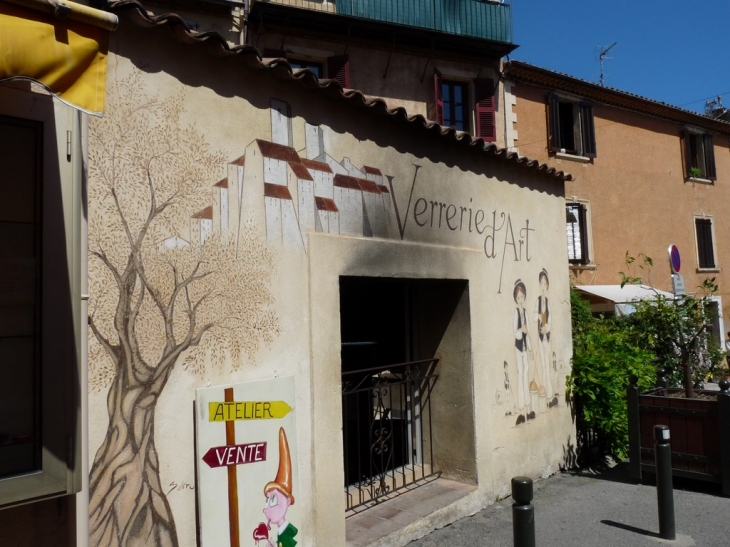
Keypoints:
pixel 604 508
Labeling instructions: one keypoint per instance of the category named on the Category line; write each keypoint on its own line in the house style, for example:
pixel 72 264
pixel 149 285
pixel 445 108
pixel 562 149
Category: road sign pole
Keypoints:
pixel 232 479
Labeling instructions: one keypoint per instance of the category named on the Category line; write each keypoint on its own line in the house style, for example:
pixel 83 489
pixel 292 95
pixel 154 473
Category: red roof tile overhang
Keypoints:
pixel 281 69
pixel 551 80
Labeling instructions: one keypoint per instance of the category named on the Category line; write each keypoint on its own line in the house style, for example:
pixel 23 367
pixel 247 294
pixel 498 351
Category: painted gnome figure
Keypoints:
pixel 279 497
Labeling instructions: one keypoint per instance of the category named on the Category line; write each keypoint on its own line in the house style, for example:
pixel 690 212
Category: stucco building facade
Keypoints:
pixel 300 300
pixel 645 175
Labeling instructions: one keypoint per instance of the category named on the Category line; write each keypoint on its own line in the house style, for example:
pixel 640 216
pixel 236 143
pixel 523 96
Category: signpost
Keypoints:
pixel 675 263
pixel 259 409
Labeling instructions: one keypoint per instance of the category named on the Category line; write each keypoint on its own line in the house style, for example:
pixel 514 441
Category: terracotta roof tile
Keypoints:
pixel 316 165
pixel 300 171
pixel 346 181
pixel 205 214
pixel 383 188
pixel 222 183
pixel 278 151
pixel 239 161
pixel 276 191
pixel 326 204
pixel 281 69
pixel 372 170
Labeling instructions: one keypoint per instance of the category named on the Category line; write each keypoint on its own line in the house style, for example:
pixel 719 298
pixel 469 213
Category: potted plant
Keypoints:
pixel 677 330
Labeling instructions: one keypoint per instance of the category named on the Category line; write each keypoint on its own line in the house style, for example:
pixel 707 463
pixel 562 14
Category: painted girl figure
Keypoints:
pixel 543 319
pixel 522 347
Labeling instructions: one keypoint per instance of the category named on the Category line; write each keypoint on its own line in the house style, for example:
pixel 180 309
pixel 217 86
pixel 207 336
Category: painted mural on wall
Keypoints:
pixel 535 389
pixel 160 299
pixel 183 241
pixel 247 464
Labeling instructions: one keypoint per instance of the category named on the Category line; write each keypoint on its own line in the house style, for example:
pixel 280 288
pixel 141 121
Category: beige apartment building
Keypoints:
pixel 645 175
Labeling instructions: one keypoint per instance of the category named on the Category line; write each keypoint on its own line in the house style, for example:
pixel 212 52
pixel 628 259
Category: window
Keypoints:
pixel 717 324
pixel 571 127
pixel 705 243
pixel 337 66
pixel 453 105
pixel 314 66
pixel 699 155
pixel 577 232
pixel 40 295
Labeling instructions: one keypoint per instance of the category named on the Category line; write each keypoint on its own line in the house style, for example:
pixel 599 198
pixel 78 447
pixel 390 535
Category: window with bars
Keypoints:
pixel 453 105
pixel 705 243
pixel 571 127
pixel 577 233
pixel 699 156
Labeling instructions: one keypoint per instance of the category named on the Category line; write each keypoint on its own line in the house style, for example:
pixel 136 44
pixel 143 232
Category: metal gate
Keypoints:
pixel 388 439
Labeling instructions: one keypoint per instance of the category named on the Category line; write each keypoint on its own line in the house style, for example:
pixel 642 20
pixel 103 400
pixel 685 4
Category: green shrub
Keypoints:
pixel 677 330
pixel 604 357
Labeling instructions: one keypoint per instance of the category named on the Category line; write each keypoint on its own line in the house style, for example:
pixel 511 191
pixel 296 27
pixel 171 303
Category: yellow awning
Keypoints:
pixel 62 45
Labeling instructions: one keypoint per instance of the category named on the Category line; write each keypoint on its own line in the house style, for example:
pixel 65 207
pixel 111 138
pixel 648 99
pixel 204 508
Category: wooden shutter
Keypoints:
pixel 709 151
pixel 553 123
pixel 687 154
pixel 587 130
pixel 705 251
pixel 338 69
pixel 438 97
pixel 484 105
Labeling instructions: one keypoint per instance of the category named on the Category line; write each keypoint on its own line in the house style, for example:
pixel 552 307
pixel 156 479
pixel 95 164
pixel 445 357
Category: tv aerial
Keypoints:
pixel 603 56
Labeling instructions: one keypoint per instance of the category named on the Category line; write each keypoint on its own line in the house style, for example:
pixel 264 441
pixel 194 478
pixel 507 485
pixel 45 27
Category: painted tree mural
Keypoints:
pixel 158 301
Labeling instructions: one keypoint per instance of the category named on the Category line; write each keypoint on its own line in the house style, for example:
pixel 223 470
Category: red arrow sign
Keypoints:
pixel 236 454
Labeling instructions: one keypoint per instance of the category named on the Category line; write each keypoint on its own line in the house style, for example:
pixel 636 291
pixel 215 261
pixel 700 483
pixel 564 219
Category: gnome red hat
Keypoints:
pixel 283 480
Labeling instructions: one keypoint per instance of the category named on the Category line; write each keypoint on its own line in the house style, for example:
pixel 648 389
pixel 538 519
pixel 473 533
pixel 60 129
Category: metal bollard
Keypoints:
pixel 664 488
pixel 523 513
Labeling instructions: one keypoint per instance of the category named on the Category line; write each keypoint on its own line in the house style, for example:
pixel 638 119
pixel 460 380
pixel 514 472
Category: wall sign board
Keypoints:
pixel 247 463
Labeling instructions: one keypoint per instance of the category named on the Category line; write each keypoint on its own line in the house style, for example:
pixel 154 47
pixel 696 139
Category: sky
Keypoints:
pixel 669 51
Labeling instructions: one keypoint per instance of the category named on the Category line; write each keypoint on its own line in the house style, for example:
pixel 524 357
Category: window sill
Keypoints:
pixel 572 157
pixel 573 266
pixel 709 270
pixel 700 180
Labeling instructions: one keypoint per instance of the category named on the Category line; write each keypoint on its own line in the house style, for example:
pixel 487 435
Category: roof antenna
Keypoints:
pixel 602 56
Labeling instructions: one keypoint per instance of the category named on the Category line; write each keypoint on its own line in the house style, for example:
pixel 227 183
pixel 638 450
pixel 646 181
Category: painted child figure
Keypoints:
pixel 544 325
pixel 279 497
pixel 522 347
pixel 509 400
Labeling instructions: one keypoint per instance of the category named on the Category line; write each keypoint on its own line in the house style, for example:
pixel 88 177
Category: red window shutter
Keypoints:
pixel 485 112
pixel 438 98
pixel 338 69
pixel 553 123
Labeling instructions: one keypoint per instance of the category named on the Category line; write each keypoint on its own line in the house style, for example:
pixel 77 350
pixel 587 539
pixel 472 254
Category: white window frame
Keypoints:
pixel 714 268
pixel 721 322
pixel 63 391
pixel 590 263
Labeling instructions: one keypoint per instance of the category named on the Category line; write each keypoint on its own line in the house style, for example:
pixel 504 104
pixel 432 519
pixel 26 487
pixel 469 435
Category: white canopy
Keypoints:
pixel 615 298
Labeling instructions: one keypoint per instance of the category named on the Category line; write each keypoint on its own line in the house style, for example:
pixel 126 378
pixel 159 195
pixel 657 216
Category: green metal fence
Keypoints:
pixel 487 19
